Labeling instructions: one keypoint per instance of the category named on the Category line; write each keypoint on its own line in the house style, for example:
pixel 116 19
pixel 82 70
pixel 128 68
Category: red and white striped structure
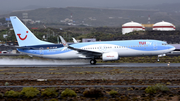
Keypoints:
pixel 164 26
pixel 132 26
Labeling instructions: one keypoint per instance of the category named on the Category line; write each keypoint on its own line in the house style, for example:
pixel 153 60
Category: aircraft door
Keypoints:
pixel 102 48
pixel 41 50
pixel 155 46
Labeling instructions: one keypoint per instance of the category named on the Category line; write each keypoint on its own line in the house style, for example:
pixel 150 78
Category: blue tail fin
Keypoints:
pixel 23 35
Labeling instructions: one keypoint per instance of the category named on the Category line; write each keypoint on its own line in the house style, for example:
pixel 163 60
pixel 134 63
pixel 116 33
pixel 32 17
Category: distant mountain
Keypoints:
pixel 165 7
pixel 100 16
pixel 46 15
pixel 3 12
pixel 33 7
pixel 168 7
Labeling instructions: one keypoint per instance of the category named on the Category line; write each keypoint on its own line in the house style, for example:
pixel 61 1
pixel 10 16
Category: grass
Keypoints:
pixel 30 92
pixel 49 92
pixel 113 92
pixel 156 88
pixel 68 93
pixel 12 93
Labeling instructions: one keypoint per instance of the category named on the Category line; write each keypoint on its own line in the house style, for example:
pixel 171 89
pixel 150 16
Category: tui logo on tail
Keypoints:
pixel 19 35
pixel 64 44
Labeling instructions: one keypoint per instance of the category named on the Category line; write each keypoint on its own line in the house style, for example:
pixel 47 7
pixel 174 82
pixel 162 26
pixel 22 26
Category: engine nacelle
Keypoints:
pixel 110 56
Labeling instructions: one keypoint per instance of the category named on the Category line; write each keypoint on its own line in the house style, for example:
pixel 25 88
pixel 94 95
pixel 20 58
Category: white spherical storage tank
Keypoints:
pixel 132 26
pixel 164 26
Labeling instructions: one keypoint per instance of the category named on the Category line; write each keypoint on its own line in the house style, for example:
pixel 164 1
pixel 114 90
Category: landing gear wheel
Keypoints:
pixel 93 62
pixel 158 60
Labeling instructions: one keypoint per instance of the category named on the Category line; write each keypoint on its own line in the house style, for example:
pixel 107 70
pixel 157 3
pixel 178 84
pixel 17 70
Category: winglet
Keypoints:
pixel 75 41
pixel 63 42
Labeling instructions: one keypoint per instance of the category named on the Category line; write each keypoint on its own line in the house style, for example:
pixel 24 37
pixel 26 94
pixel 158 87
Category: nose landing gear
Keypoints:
pixel 158 59
pixel 160 56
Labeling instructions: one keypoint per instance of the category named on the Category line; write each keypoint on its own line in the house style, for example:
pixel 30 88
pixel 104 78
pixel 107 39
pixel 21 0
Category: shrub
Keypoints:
pixel 1 95
pixel 93 93
pixel 68 93
pixel 113 92
pixel 156 88
pixel 161 87
pixel 6 84
pixel 150 90
pixel 49 92
pixel 53 99
pixel 12 93
pixel 29 92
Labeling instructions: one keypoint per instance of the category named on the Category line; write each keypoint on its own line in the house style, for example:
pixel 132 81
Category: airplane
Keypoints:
pixel 105 50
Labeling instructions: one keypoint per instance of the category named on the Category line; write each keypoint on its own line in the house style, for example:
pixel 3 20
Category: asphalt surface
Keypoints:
pixel 97 65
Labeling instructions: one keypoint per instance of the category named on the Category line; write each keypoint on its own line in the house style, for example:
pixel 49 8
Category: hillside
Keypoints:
pixel 98 16
pixel 100 33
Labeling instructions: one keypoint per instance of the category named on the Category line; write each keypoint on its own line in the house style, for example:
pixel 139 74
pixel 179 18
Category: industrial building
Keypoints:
pixel 164 26
pixel 132 26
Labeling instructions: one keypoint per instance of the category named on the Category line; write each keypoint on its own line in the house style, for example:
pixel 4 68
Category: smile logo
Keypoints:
pixel 19 35
pixel 64 44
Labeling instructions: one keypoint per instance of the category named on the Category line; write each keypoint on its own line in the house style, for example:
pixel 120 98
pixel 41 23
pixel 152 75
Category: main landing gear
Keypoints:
pixel 92 61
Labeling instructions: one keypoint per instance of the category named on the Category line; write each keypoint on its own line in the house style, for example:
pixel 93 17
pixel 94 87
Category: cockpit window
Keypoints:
pixel 164 43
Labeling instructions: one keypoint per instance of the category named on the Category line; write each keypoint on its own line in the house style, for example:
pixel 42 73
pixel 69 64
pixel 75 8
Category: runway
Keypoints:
pixel 97 65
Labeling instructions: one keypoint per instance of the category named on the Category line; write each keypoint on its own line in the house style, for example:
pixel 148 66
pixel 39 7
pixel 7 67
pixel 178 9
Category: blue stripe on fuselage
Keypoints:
pixel 45 49
pixel 58 47
pixel 46 46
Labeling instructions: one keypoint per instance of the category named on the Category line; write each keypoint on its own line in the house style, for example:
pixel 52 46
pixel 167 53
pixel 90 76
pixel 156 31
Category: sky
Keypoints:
pixel 6 5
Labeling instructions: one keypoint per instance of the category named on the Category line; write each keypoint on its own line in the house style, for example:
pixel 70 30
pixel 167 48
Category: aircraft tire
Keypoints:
pixel 93 62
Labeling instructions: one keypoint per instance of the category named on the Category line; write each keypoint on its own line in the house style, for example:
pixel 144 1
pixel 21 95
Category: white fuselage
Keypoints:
pixel 123 48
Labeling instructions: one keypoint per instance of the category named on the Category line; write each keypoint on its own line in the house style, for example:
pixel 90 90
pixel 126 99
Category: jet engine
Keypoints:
pixel 110 56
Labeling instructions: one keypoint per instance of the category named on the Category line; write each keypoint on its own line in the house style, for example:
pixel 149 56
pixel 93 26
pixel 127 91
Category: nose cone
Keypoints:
pixel 171 47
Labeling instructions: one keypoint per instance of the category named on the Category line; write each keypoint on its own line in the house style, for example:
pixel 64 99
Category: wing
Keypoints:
pixel 87 53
